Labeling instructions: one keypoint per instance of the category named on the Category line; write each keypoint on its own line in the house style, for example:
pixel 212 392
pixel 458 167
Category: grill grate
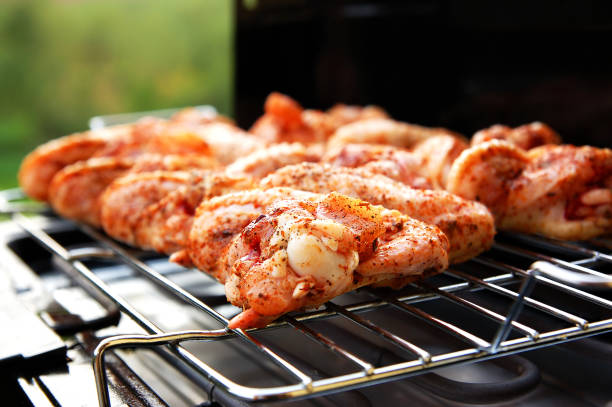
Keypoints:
pixel 568 277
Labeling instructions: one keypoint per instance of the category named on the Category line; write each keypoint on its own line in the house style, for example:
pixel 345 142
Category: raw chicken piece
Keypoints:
pixel 562 191
pixel 284 120
pixel 383 131
pixel 526 136
pixel 75 190
pixel 267 160
pixel 302 253
pixel 468 225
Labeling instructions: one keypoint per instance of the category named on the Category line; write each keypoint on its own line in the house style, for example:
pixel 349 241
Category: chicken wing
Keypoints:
pixel 162 205
pixel 383 131
pixel 75 190
pixel 526 136
pixel 217 139
pixel 165 225
pixel 267 160
pixel 284 120
pixel 125 199
pixel 302 253
pixel 218 220
pixel 468 225
pixel 436 155
pixel 563 191
pixel 393 162
pixel 39 167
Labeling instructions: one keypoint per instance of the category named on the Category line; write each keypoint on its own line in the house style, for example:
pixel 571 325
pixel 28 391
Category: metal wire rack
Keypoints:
pixel 576 278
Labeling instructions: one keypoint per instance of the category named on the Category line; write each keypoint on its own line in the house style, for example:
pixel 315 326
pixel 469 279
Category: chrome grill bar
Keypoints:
pixel 530 332
pixel 581 322
pixel 445 326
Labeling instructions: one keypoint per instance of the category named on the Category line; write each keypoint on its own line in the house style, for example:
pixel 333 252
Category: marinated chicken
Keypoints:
pixel 76 189
pixel 263 162
pixel 311 204
pixel 383 131
pixel 162 205
pixel 218 220
pixel 526 136
pixel 284 120
pixel 468 225
pixel 436 155
pixel 395 163
pixel 216 139
pixel 302 253
pixel 424 167
pixel 125 199
pixel 562 191
pixel 40 166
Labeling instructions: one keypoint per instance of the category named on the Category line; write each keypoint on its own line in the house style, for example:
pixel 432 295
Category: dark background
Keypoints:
pixel 460 64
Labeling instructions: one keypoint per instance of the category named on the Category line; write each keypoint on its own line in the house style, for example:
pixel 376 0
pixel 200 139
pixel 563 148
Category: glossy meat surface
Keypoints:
pixel 218 220
pixel 527 136
pixel 40 166
pixel 468 225
pixel 395 163
pixel 383 131
pixel 560 191
pixel 284 120
pixel 262 162
pixel 303 253
pixel 126 198
pixel 75 190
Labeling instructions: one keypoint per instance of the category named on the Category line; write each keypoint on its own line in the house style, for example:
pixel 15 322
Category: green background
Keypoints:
pixel 63 61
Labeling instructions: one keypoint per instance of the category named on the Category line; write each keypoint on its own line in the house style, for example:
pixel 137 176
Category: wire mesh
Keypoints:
pixel 542 270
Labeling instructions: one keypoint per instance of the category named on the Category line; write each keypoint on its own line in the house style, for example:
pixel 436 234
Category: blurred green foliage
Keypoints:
pixel 63 61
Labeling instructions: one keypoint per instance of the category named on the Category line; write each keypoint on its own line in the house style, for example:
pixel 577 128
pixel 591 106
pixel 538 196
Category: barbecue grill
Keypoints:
pixel 525 293
pixel 87 320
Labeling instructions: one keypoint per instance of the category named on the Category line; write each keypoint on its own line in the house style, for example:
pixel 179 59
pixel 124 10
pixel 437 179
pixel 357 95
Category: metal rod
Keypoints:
pixel 530 332
pixel 555 244
pixel 515 309
pixel 552 283
pixel 396 340
pixel 328 343
pixel 581 322
pixel 125 341
pixel 446 326
pixel 178 291
pixel 154 276
pixel 540 256
pixel 149 326
pixel 54 247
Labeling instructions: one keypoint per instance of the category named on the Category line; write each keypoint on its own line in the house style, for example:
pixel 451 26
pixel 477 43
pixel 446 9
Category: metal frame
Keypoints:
pixel 568 277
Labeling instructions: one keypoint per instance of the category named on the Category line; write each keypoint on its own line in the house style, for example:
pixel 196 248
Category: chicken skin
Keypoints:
pixel 468 225
pixel 40 166
pixel 125 199
pixel 526 136
pixel 216 139
pixel 302 253
pixel 424 167
pixel 383 131
pixel 436 155
pixel 395 163
pixel 563 191
pixel 284 120
pixel 165 225
pixel 218 220
pixel 161 205
pixel 262 162
pixel 75 190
